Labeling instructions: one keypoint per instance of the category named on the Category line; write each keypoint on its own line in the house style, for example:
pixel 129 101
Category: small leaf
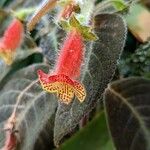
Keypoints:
pixel 74 22
pixel 88 34
pixel 101 61
pixel 64 24
pixel 86 31
pixel 127 106
pixel 94 136
pixel 119 4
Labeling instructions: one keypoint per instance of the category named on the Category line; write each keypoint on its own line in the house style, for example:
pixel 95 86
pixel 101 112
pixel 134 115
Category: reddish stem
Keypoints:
pixel 11 139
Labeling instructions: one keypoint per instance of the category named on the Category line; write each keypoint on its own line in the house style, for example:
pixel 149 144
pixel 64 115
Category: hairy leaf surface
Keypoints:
pixel 36 111
pixel 127 107
pixel 99 68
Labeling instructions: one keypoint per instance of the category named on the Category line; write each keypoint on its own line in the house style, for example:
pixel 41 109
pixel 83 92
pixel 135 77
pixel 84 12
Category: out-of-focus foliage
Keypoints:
pixel 136 64
pixel 138 22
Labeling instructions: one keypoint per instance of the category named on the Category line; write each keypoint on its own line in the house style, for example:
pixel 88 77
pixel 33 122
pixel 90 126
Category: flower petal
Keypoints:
pixel 46 85
pixel 49 87
pixel 79 91
pixel 63 86
pixel 65 93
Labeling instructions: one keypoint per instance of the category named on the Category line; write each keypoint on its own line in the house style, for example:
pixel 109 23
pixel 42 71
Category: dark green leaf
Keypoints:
pixel 94 136
pixel 99 68
pixel 127 105
pixel 2 2
pixel 50 44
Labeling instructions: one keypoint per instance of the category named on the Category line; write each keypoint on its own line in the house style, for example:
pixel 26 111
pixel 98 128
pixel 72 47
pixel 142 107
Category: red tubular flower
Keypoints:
pixel 71 55
pixel 67 69
pixel 11 40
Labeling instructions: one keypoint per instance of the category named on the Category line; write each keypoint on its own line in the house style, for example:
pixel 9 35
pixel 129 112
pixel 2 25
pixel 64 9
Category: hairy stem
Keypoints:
pixel 21 95
pixel 42 10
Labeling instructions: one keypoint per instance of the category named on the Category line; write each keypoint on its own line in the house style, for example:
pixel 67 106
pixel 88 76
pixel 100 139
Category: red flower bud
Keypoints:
pixel 13 35
pixel 11 40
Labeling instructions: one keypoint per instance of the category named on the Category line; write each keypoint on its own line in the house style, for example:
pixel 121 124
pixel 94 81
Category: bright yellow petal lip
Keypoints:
pixel 65 91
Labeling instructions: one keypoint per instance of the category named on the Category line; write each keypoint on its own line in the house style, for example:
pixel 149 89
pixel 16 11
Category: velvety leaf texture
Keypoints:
pixel 3 69
pixel 50 44
pixel 98 70
pixel 127 107
pixel 22 59
pixel 35 117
